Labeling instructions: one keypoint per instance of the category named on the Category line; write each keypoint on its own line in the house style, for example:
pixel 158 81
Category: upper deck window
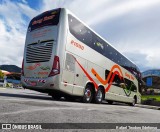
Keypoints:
pixel 48 18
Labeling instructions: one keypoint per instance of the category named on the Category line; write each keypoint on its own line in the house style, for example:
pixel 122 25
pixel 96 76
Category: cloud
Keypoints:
pixel 24 1
pixel 146 60
pixel 11 45
pixel 78 7
pixel 143 63
pixel 28 11
pixel 130 26
pixel 119 9
pixel 13 31
pixel 94 12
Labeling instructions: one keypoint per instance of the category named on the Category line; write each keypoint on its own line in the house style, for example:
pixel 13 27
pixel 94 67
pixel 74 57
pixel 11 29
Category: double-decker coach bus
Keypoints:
pixel 65 58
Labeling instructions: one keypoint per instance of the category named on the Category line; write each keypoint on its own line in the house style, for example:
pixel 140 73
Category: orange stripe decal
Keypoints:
pixel 104 82
pixel 110 77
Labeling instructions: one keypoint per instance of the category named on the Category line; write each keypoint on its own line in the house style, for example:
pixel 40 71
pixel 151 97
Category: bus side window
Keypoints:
pixel 80 31
pixel 109 52
pixel 116 81
pixel 98 44
pixel 134 88
pixel 128 84
pixel 106 73
pixel 70 63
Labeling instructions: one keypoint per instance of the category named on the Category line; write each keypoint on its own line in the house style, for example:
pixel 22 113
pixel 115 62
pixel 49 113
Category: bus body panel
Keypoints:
pixel 115 93
pixel 79 82
pixel 41 45
pixel 79 65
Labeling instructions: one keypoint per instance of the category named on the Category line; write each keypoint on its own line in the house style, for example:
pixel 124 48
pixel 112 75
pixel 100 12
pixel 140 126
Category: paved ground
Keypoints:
pixel 26 106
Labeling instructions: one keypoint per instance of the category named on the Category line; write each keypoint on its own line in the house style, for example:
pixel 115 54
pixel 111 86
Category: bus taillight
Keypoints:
pixel 22 71
pixel 56 67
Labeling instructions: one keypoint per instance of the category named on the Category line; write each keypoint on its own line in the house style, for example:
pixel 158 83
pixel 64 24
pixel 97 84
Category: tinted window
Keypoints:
pixel 134 88
pixel 79 31
pixel 108 51
pixel 45 19
pixel 98 44
pixel 70 63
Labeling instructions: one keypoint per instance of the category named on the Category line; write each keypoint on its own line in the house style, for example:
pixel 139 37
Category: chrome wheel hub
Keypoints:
pixel 88 94
pixel 99 95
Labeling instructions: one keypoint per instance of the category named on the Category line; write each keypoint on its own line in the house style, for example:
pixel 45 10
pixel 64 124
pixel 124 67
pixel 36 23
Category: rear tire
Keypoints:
pixel 134 102
pixel 99 96
pixel 88 94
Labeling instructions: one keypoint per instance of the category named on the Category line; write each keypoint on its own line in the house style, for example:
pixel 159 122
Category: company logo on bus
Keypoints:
pixel 46 18
pixel 77 45
pixel 34 66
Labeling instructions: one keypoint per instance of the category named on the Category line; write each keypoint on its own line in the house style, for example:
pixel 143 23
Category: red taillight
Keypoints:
pixel 22 70
pixel 56 67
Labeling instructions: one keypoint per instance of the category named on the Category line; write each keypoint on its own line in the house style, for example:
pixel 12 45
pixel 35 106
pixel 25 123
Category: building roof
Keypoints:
pixel 151 72
pixel 5 72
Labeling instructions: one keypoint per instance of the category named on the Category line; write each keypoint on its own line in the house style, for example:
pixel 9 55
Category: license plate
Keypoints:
pixel 33 83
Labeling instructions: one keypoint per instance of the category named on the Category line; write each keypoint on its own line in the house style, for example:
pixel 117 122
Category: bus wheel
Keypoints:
pixel 99 96
pixel 88 94
pixel 134 102
pixel 110 102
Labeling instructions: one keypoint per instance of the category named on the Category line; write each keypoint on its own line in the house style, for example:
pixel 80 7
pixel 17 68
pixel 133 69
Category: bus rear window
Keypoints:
pixel 48 18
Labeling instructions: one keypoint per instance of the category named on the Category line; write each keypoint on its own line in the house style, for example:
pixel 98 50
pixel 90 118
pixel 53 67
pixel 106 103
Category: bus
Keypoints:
pixel 65 58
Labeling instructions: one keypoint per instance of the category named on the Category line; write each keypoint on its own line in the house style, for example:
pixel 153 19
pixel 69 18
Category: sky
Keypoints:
pixel 131 26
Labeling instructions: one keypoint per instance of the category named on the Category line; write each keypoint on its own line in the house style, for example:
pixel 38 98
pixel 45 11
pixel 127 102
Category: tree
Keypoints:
pixel 1 74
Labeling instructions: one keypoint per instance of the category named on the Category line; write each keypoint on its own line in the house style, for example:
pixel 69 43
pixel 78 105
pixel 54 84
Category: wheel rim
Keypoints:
pixel 99 95
pixel 88 94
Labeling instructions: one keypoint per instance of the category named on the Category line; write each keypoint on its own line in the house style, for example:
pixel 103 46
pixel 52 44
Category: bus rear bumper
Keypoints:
pixel 45 83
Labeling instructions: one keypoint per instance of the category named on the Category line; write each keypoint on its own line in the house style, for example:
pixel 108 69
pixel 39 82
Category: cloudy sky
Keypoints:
pixel 131 26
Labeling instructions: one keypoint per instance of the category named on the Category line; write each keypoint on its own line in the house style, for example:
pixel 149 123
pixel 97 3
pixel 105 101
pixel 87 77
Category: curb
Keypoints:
pixel 148 106
pixel 2 88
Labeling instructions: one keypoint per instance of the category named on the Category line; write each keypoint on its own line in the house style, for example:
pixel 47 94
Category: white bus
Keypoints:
pixel 65 58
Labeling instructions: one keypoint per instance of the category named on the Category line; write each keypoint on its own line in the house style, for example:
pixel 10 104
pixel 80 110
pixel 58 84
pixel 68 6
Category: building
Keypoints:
pixel 10 78
pixel 152 81
pixel 5 72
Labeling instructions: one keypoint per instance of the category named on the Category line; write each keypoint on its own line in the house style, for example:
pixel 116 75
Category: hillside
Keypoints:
pixel 10 68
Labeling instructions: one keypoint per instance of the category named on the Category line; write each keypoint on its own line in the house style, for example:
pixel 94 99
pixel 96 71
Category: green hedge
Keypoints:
pixel 146 97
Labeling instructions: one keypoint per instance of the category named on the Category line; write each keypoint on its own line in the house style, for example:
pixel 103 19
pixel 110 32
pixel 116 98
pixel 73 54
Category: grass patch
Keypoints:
pixel 146 97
